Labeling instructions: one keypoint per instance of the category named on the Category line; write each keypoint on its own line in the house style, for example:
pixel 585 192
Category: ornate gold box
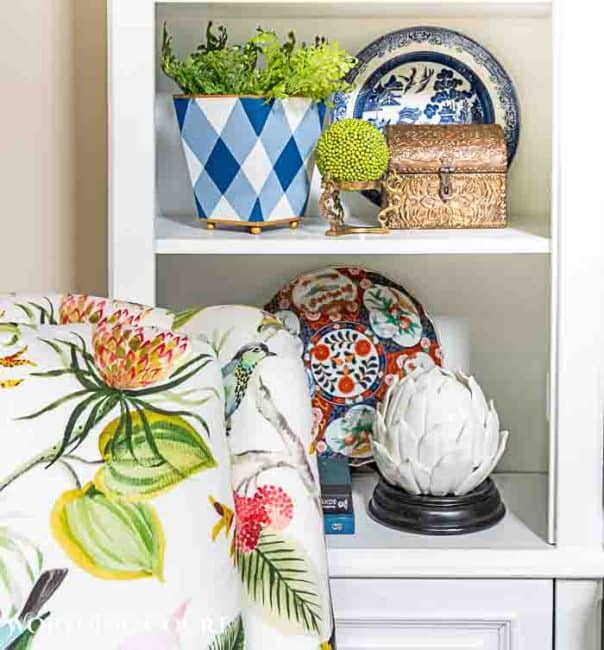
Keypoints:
pixel 450 176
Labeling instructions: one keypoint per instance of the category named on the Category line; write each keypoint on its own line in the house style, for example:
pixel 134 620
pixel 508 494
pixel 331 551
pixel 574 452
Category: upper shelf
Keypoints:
pixel 307 8
pixel 185 235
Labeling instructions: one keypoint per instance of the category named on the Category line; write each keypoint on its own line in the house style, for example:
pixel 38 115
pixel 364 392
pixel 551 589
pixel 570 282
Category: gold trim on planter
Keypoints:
pixel 255 227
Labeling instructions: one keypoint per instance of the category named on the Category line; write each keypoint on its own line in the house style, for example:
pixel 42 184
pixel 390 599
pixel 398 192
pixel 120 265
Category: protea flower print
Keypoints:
pixel 82 309
pixel 129 367
pixel 130 357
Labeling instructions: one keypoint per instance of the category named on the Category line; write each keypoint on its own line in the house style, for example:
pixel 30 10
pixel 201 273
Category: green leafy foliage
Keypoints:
pixel 231 638
pixel 264 66
pixel 276 576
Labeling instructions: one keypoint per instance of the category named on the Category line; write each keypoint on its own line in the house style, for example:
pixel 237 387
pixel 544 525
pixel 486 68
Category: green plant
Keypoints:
pixel 352 150
pixel 263 66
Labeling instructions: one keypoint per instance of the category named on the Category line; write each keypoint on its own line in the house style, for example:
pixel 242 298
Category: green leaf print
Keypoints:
pixel 231 638
pixel 275 574
pixel 110 539
pixel 160 452
pixel 181 318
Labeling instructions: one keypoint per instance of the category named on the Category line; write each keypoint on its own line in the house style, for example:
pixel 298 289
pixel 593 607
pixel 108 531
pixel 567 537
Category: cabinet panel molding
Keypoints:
pixel 415 614
pixel 406 633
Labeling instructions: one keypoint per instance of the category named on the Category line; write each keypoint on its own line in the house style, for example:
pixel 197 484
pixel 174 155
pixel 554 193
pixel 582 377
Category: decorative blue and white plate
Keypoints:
pixel 431 75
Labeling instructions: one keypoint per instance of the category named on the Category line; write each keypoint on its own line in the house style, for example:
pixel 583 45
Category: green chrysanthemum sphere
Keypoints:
pixel 352 150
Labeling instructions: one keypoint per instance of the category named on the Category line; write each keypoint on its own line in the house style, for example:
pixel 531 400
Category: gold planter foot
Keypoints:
pixel 253 227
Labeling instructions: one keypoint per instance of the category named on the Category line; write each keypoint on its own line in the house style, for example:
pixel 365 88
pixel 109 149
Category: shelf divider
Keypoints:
pixel 187 236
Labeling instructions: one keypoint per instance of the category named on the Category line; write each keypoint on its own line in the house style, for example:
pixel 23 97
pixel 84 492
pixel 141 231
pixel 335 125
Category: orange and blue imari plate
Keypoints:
pixel 360 331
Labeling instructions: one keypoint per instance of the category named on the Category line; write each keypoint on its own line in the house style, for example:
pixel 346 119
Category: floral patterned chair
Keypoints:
pixel 158 489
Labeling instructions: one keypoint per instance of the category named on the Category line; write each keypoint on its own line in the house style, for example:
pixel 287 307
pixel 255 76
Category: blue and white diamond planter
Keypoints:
pixel 250 160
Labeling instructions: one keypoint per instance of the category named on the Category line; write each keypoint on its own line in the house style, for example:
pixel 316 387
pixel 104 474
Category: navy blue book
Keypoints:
pixel 336 494
pixel 339 524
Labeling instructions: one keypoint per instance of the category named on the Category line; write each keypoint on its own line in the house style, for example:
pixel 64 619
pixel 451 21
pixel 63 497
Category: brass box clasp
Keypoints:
pixel 446 188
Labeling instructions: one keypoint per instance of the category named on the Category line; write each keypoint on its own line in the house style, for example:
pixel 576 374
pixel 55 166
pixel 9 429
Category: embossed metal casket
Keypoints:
pixel 451 176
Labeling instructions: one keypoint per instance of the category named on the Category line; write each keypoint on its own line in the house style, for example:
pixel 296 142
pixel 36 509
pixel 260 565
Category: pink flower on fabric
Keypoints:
pixel 278 506
pixel 269 507
pixel 425 343
pixel 251 519
pixel 365 283
pixel 160 639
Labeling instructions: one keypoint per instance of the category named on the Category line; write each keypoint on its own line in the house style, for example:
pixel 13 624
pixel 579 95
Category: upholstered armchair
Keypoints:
pixel 158 489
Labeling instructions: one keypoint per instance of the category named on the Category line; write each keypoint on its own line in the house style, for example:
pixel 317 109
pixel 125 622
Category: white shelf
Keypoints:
pixel 187 236
pixel 514 548
pixel 356 8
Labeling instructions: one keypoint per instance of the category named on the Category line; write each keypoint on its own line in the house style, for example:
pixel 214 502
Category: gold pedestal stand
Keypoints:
pixel 332 209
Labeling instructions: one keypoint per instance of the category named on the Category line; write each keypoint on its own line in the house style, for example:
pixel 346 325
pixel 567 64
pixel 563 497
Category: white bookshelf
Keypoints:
pixel 533 291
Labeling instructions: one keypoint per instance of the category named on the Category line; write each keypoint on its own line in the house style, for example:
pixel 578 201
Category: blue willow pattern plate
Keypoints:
pixel 431 75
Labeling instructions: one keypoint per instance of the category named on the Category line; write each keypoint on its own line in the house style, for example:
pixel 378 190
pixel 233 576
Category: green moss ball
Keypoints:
pixel 352 150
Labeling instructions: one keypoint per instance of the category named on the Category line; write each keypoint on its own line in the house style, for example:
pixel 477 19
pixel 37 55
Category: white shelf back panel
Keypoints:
pixel 504 298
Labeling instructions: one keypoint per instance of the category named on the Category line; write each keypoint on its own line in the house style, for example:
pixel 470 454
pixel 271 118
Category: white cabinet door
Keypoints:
pixel 443 614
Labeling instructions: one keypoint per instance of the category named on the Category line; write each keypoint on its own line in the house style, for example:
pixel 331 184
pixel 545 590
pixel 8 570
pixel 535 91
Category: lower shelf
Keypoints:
pixel 515 548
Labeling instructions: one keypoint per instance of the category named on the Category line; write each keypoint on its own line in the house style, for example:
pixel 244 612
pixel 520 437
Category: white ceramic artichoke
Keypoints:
pixel 435 434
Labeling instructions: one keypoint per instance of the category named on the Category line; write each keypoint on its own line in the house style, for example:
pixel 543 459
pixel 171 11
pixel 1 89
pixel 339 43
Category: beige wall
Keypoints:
pixel 53 145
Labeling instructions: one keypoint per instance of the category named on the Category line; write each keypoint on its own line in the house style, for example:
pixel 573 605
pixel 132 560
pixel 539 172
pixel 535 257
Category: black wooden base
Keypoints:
pixel 430 515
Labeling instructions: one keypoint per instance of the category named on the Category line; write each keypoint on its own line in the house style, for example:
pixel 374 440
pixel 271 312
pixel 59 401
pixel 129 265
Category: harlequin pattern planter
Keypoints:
pixel 250 160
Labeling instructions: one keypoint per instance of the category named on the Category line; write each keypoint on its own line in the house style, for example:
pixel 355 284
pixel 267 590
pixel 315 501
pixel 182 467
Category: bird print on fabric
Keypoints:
pixel 237 374
pixel 16 634
pixel 269 326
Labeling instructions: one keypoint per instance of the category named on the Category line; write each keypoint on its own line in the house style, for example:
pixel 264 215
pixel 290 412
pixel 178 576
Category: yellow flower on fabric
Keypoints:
pixel 10 383
pixel 15 359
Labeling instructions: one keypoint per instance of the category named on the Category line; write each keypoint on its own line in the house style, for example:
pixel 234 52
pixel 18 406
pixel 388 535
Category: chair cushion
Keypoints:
pixel 116 509
pixel 279 545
